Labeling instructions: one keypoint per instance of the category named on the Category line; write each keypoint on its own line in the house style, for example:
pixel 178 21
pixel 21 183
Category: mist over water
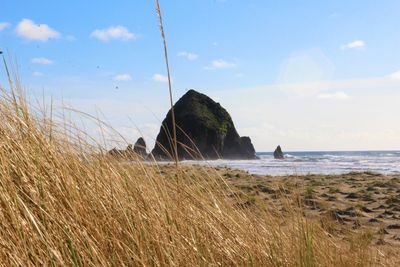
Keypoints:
pixel 321 162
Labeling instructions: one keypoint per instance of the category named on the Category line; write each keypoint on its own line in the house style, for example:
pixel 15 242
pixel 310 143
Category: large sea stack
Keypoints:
pixel 204 130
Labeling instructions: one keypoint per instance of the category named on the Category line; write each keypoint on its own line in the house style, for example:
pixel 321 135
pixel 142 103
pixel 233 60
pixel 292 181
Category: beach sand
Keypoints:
pixel 354 207
pixel 356 201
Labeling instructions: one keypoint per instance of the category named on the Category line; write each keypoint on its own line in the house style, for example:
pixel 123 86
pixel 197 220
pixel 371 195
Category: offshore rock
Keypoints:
pixel 131 152
pixel 204 130
pixel 278 154
pixel 140 148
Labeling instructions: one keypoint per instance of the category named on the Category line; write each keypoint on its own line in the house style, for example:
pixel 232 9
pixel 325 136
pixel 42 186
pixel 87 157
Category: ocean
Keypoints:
pixel 317 162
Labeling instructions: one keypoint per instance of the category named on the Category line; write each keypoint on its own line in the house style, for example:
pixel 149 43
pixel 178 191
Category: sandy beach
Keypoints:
pixel 353 207
pixel 356 201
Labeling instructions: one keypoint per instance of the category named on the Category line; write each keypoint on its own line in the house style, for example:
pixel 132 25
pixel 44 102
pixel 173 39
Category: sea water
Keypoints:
pixel 317 162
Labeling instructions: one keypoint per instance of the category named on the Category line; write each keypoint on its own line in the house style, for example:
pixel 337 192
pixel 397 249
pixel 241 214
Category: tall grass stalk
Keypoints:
pixel 175 142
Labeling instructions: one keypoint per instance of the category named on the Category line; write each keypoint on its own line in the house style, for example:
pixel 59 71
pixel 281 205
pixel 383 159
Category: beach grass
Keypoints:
pixel 64 202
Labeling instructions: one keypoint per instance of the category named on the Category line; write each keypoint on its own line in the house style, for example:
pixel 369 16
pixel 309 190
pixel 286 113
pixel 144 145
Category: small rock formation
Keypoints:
pixel 122 153
pixel 204 129
pixel 131 152
pixel 278 154
pixel 116 153
pixel 247 147
pixel 140 148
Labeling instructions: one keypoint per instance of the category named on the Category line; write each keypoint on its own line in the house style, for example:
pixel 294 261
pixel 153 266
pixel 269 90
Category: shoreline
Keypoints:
pixel 294 170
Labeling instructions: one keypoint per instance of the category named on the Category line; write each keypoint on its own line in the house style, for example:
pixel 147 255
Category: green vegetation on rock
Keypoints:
pixel 205 129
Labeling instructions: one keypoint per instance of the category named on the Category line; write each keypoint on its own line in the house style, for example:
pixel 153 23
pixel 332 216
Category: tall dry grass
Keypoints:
pixel 164 39
pixel 65 203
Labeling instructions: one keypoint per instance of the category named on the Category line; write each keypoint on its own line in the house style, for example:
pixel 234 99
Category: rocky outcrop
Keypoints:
pixel 247 146
pixel 278 153
pixel 131 152
pixel 122 153
pixel 117 153
pixel 204 130
pixel 140 148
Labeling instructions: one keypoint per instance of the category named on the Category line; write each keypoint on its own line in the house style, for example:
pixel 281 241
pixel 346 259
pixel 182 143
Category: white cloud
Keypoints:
pixel 188 55
pixel 357 44
pixel 160 78
pixel 37 74
pixel 4 25
pixel 123 77
pixel 337 95
pixel 395 76
pixel 28 30
pixel 42 61
pixel 113 33
pixel 220 64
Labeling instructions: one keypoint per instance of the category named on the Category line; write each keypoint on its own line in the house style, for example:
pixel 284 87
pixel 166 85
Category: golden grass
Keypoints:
pixel 65 203
pixel 174 140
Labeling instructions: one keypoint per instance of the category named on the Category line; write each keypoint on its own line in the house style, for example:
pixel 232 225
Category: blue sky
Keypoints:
pixel 309 75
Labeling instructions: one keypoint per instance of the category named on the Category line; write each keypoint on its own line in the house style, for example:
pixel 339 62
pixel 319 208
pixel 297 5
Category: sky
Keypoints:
pixel 305 74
